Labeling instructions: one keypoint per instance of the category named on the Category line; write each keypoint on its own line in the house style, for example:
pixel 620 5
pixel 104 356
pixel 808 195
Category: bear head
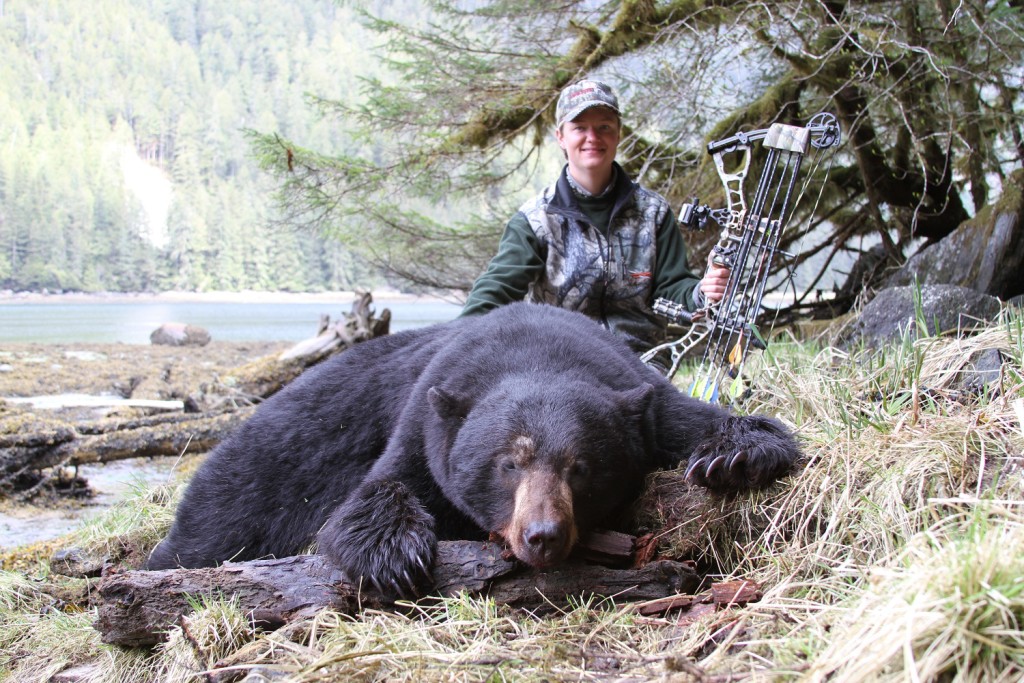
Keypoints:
pixel 539 460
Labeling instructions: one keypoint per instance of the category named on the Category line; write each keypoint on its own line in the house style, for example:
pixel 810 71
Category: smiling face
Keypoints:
pixel 590 142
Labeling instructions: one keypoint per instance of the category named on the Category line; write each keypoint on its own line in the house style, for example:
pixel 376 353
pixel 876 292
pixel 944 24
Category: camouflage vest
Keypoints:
pixel 605 276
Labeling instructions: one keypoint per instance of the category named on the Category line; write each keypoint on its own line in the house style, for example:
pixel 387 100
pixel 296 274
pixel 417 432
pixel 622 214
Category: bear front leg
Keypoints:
pixel 743 453
pixel 384 535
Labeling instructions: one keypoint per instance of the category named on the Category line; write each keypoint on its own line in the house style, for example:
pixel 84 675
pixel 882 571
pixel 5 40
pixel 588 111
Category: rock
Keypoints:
pixel 982 369
pixel 179 334
pixel 985 253
pixel 944 308
pixel 76 562
pixel 868 272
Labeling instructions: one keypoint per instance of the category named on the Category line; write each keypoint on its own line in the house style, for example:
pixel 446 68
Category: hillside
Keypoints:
pixel 125 164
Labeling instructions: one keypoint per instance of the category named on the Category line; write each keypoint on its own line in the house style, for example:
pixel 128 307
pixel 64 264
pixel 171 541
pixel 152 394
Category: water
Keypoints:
pixel 110 482
pixel 132 322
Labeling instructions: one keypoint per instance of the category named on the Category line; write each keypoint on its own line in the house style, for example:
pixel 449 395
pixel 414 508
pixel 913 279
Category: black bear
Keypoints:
pixel 531 422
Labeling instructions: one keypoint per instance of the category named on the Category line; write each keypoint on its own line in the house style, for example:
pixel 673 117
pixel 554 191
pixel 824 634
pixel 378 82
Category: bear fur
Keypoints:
pixel 531 422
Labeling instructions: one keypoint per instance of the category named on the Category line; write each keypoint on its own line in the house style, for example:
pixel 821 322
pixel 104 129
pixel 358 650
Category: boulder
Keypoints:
pixel 981 370
pixel 985 253
pixel 944 308
pixel 179 334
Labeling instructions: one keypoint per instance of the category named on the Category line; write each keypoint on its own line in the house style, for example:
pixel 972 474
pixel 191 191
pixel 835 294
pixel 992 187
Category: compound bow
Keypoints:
pixel 747 246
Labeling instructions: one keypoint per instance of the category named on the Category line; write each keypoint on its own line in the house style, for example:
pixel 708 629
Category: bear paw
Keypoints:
pixel 384 535
pixel 743 453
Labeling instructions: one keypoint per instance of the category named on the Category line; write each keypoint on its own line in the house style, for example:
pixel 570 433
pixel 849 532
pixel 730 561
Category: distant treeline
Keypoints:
pixel 124 163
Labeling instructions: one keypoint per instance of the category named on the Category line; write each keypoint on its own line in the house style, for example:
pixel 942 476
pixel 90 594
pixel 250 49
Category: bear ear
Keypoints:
pixel 446 405
pixel 636 401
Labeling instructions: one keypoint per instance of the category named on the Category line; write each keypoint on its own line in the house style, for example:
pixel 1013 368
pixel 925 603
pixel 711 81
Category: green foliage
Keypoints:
pixel 124 163
pixel 928 96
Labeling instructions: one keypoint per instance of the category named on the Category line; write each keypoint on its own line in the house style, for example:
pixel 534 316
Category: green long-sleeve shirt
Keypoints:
pixel 520 260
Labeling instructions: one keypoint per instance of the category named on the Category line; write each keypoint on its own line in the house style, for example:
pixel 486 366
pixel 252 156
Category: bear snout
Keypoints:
pixel 546 542
pixel 542 530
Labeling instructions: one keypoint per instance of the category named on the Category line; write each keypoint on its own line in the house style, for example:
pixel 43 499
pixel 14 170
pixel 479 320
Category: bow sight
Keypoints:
pixel 748 245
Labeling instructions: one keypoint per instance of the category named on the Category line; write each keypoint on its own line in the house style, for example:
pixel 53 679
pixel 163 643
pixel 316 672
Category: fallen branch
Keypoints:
pixel 197 435
pixel 722 594
pixel 138 607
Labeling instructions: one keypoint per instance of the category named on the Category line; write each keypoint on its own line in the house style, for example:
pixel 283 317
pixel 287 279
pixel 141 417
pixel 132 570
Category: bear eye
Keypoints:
pixel 508 465
pixel 578 470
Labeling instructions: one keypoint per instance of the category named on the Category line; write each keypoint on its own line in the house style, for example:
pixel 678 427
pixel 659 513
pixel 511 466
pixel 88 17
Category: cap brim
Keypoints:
pixel 573 113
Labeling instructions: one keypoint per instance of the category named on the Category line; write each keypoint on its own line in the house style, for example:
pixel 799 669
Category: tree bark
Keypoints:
pixel 136 608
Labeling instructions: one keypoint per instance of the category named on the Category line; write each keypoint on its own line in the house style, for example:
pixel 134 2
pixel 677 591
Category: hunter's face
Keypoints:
pixel 590 140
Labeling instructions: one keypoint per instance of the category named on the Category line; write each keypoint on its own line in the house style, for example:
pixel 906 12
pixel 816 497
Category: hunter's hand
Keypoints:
pixel 714 282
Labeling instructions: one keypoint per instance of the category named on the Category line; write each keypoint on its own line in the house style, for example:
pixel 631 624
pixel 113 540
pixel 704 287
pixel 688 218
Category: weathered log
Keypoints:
pixel 198 434
pixel 138 607
pixel 610 548
pixel 40 435
pixel 120 424
pixel 266 376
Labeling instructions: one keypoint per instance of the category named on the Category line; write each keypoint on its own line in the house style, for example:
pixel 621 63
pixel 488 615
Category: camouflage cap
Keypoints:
pixel 583 95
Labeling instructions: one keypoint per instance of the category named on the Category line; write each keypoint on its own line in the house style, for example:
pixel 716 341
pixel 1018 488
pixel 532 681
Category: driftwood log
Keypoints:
pixel 266 376
pixel 137 608
pixel 33 445
pixel 169 435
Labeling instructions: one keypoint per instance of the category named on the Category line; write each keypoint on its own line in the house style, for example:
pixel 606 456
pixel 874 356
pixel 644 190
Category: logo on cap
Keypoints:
pixel 583 95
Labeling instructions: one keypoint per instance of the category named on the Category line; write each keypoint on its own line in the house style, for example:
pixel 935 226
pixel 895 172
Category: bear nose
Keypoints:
pixel 544 538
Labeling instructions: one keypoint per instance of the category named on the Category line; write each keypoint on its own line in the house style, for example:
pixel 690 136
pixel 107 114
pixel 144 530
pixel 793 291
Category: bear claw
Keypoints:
pixel 739 458
pixel 410 584
pixel 714 465
pixel 393 550
pixel 692 470
pixel 743 453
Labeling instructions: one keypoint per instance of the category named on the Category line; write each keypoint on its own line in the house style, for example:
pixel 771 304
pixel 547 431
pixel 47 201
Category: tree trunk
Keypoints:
pixel 170 436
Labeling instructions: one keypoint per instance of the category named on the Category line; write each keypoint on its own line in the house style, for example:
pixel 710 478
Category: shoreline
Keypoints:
pixel 345 297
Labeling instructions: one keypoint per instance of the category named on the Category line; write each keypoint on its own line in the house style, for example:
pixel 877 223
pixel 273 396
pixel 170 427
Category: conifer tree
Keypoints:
pixel 928 96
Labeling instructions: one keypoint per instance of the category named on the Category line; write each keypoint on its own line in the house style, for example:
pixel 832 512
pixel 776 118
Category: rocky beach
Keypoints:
pixel 107 372
pixel 77 383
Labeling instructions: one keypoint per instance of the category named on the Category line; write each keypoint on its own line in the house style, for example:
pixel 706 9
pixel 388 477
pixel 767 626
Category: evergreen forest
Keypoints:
pixel 306 145
pixel 124 158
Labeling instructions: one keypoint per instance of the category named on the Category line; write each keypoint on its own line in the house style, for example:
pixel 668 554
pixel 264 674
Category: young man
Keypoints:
pixel 595 241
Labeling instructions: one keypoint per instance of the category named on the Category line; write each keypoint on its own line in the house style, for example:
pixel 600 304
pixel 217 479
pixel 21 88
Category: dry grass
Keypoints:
pixel 896 553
